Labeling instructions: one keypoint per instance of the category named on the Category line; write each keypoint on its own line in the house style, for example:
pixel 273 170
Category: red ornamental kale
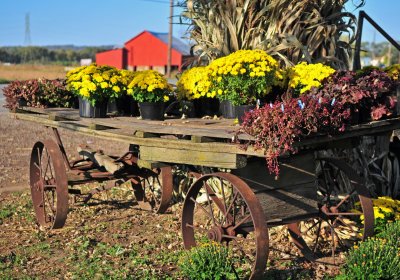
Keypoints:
pixel 276 127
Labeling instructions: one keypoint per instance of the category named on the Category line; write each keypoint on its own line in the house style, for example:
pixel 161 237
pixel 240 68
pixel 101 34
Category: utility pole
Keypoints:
pixel 169 55
pixel 27 30
pixel 389 55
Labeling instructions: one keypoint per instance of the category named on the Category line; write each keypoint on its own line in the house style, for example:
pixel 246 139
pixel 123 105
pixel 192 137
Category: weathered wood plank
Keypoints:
pixel 202 158
pixel 122 135
pixel 125 135
pixel 150 164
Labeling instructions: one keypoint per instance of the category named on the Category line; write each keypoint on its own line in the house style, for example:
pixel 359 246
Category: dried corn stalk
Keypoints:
pixel 292 31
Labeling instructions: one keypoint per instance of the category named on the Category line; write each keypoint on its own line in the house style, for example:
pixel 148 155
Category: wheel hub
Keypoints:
pixel 215 234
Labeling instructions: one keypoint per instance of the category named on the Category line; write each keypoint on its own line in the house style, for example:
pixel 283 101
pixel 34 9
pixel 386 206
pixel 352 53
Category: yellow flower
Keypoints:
pixel 116 88
pixel 303 76
pixel 166 98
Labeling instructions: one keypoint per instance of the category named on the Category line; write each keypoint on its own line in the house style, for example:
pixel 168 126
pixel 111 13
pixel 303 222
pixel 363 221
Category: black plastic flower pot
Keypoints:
pixel 152 111
pixel 187 108
pixel 22 102
pixel 123 106
pixel 227 109
pixel 206 107
pixel 240 111
pixel 86 110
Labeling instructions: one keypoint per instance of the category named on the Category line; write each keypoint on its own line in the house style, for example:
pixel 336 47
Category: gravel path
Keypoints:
pixel 17 139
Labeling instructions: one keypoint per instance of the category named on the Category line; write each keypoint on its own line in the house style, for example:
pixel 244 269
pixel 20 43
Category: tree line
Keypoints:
pixel 44 55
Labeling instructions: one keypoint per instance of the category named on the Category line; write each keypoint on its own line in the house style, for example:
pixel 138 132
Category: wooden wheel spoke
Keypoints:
pixel 333 232
pixel 229 207
pixel 213 196
pixel 345 198
pixel 313 226
pixel 318 236
pixel 204 210
pixel 209 203
pixel 245 219
pixel 223 193
pixel 50 202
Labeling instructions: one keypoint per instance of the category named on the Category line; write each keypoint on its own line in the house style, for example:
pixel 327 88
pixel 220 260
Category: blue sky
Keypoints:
pixel 112 22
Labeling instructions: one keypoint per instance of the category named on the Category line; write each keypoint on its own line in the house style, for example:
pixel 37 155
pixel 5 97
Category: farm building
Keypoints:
pixel 147 50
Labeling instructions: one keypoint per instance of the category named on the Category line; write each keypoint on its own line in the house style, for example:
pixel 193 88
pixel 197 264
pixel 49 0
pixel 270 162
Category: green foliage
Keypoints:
pixel 4 81
pixel 375 258
pixel 208 261
pixel 65 55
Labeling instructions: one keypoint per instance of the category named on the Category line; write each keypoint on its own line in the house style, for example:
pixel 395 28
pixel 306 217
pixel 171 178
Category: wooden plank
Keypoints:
pixel 288 203
pixel 150 164
pixel 201 139
pixel 125 136
pixel 143 134
pixel 204 158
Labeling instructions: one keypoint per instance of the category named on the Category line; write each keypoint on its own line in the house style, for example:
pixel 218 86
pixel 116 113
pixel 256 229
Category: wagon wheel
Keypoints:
pixel 220 207
pixel 157 187
pixel 340 191
pixel 49 185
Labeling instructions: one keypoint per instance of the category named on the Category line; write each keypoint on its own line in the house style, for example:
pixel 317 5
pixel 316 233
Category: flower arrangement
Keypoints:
pixel 243 76
pixel 149 86
pixel 194 83
pixel 97 84
pixel 40 93
pixel 303 76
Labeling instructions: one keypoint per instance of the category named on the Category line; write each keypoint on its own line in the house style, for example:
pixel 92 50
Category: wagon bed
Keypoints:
pixel 205 142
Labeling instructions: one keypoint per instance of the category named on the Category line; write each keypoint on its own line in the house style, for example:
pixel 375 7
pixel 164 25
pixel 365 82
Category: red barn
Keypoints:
pixel 147 50
pixel 116 58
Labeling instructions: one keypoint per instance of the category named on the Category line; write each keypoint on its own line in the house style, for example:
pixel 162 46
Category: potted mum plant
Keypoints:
pixel 303 77
pixel 95 86
pixel 243 77
pixel 193 93
pixel 150 89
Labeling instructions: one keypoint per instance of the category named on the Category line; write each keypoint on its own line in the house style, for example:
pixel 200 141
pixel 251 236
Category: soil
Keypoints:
pixel 107 238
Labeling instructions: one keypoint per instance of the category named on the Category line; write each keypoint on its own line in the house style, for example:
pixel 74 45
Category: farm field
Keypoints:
pixel 30 71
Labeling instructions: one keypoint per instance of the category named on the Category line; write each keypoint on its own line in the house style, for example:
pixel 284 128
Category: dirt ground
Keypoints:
pixel 108 238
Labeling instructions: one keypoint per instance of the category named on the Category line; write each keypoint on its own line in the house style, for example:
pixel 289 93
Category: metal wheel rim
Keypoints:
pixel 40 188
pixel 161 203
pixel 257 218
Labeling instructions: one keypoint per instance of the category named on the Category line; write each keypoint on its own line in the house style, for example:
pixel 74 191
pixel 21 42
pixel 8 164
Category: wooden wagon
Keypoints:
pixel 233 200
